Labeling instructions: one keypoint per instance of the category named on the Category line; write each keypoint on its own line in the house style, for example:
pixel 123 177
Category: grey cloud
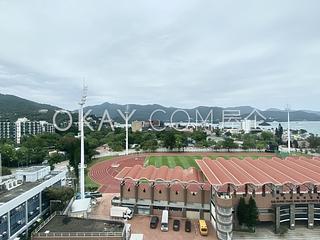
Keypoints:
pixel 180 53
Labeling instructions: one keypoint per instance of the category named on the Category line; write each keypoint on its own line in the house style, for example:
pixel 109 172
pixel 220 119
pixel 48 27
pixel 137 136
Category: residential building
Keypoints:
pixel 137 126
pixel 22 127
pixel 7 130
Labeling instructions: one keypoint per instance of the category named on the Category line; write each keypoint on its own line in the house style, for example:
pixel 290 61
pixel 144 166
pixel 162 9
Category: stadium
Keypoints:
pixel 210 187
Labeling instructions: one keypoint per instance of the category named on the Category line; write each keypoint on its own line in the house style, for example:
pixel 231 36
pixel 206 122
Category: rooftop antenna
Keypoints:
pixel 289 132
pixel 81 123
pixel 127 129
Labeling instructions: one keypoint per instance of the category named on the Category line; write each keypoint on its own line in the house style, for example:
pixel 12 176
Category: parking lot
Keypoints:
pixel 140 224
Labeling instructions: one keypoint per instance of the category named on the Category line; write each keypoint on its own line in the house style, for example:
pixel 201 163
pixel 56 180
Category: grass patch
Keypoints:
pixel 172 161
pixel 188 161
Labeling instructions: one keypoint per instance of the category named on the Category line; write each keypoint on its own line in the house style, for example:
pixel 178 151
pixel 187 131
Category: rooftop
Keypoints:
pixel 153 174
pixel 31 169
pixel 63 224
pixel 80 205
pixel 7 196
pixel 258 172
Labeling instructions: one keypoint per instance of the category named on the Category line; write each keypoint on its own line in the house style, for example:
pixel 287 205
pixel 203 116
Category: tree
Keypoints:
pixel 252 213
pixel 242 212
pixel 267 136
pixel 169 140
pixel 8 155
pixel 150 145
pixel 229 144
pixel 314 141
pixel 279 133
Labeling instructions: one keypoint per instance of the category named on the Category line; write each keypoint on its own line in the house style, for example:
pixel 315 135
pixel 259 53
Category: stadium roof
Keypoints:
pixel 258 172
pixel 162 174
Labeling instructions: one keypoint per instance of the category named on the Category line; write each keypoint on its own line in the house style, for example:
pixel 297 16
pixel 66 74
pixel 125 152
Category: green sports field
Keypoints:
pixel 184 161
pixel 172 161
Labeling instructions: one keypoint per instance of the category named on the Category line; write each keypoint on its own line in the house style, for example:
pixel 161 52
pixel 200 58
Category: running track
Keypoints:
pixel 104 172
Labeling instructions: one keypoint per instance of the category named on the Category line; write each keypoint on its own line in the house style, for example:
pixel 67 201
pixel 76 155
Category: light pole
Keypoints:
pixel 289 132
pixel 81 120
pixel 127 130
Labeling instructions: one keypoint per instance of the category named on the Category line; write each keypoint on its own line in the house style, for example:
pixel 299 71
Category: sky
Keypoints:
pixel 184 53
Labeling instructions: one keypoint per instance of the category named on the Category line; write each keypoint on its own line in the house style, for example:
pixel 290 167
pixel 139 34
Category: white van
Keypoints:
pixel 165 221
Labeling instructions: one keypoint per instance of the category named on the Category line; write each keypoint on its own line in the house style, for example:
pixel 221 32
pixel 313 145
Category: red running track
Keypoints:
pixel 103 173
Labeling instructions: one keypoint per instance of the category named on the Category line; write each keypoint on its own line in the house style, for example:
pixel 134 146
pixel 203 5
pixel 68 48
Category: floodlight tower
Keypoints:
pixel 289 132
pixel 127 129
pixel 81 123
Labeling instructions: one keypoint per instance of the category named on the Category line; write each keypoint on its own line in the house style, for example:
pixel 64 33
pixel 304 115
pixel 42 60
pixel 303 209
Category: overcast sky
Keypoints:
pixel 176 53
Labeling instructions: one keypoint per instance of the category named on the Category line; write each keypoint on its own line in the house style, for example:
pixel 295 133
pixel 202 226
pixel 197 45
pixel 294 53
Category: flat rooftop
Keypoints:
pixel 31 169
pixel 7 196
pixel 65 224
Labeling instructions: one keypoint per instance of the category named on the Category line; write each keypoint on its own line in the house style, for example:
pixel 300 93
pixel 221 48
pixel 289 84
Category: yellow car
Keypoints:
pixel 203 228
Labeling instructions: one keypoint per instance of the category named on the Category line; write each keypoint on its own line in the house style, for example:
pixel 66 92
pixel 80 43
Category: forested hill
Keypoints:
pixel 13 107
pixel 143 112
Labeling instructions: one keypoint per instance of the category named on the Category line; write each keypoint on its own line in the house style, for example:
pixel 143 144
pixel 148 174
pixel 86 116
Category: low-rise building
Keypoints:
pixel 66 228
pixel 150 190
pixel 24 202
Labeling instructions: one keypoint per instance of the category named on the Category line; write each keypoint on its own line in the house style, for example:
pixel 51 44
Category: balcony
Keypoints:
pixel 224 220
pixel 224 211
pixel 224 228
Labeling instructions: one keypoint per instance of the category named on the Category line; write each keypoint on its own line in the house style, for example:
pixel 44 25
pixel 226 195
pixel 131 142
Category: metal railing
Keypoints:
pixel 79 234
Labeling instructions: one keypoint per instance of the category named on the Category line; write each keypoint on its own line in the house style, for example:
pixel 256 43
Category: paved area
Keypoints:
pixel 102 209
pixel 140 224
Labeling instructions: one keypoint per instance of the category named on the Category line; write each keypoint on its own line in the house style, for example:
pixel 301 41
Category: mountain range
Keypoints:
pixel 13 107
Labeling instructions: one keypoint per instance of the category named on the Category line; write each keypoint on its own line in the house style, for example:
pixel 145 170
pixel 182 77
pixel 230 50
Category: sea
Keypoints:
pixel 310 126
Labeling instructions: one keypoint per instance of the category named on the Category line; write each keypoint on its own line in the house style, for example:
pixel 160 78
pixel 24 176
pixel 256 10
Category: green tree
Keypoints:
pixel 8 155
pixel 169 141
pixel 229 143
pixel 252 213
pixel 242 213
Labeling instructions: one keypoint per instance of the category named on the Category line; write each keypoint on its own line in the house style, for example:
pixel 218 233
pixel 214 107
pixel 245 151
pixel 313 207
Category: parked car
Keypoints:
pixel 176 225
pixel 203 228
pixel 187 226
pixel 154 222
